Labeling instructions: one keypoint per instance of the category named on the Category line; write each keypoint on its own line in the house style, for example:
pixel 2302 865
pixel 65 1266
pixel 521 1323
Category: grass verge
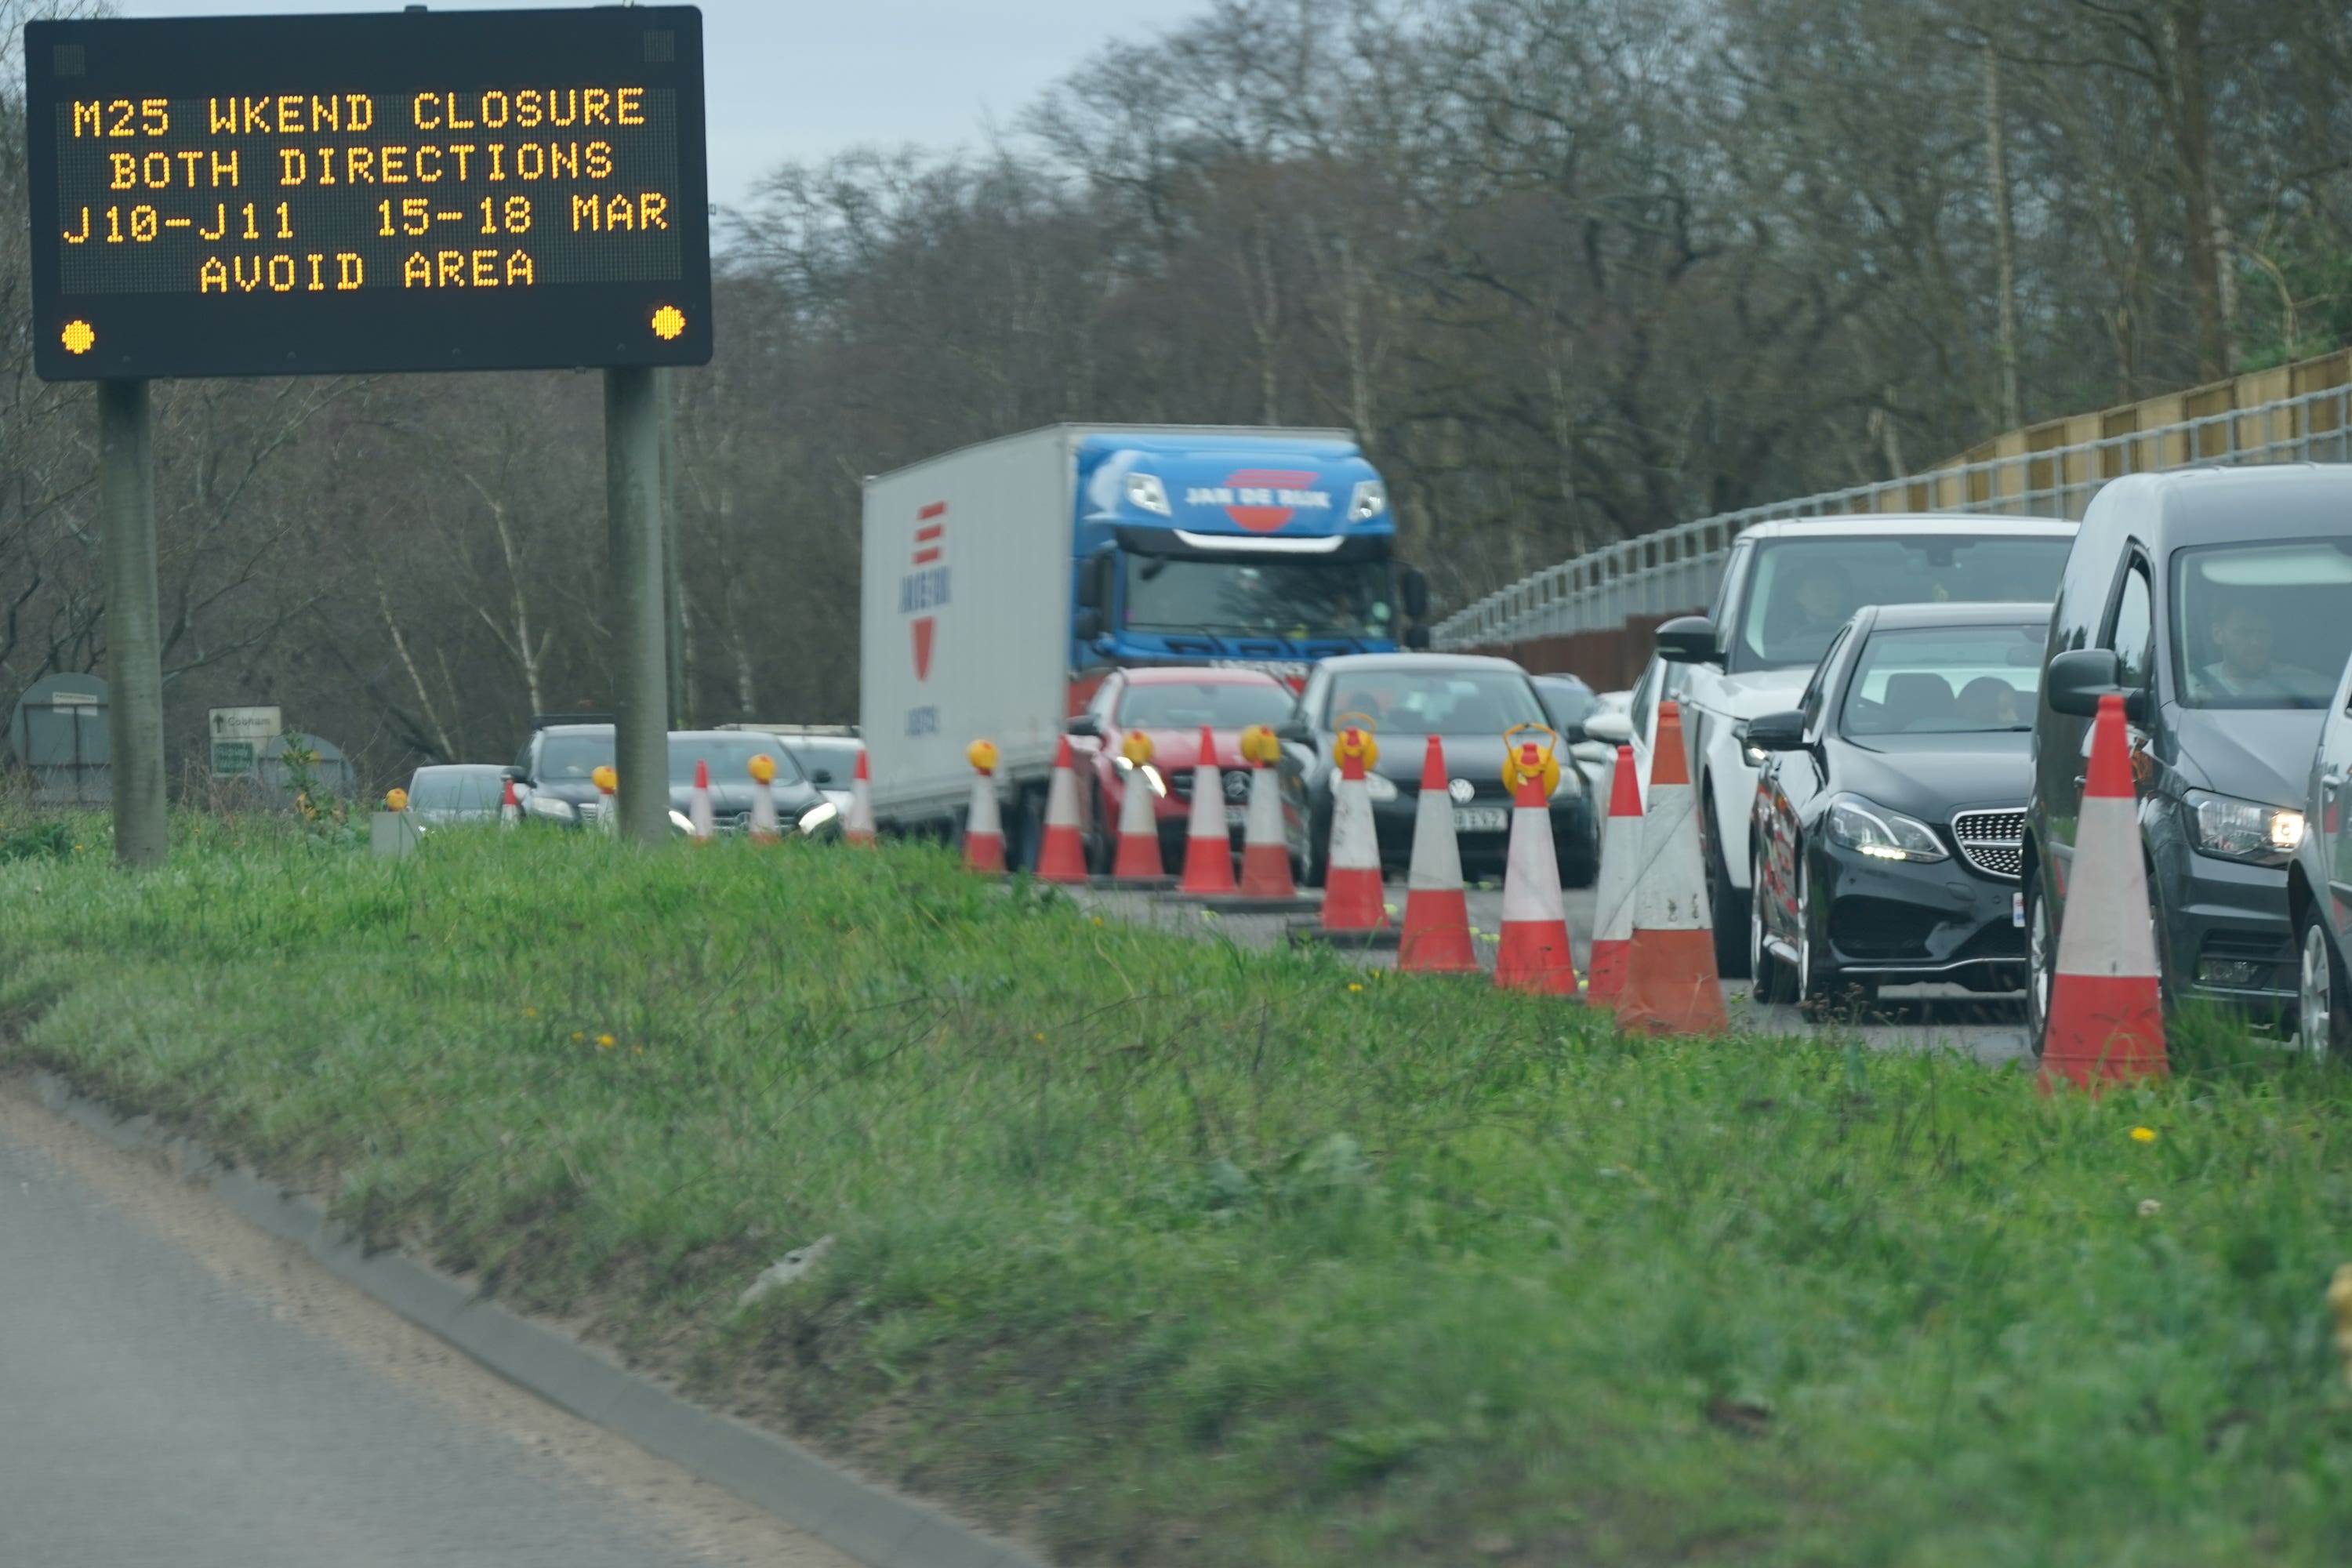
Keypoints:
pixel 1172 1254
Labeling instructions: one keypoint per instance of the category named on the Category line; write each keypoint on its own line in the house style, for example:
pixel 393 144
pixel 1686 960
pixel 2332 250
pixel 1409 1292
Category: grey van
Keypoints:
pixel 2218 602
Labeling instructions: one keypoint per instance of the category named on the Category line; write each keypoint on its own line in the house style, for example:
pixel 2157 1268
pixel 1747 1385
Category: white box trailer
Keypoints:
pixel 966 616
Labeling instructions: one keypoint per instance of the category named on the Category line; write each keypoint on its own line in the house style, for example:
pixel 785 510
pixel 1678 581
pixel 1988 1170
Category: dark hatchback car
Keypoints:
pixel 554 777
pixel 1467 701
pixel 1891 803
pixel 2218 602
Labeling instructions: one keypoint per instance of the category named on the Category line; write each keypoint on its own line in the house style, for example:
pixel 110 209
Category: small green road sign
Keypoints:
pixel 233 759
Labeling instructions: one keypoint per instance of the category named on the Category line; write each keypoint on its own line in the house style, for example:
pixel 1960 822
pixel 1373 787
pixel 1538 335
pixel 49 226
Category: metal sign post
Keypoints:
pixel 632 502
pixel 134 650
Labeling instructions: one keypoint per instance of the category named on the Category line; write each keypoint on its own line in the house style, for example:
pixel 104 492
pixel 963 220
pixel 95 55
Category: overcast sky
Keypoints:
pixel 801 78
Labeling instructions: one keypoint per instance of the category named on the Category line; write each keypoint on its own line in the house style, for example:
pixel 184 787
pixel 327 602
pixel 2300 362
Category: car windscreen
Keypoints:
pixel 570 759
pixel 730 757
pixel 1801 590
pixel 1568 701
pixel 1934 680
pixel 456 789
pixel 1188 704
pixel 2263 624
pixel 838 758
pixel 1434 702
pixel 1301 598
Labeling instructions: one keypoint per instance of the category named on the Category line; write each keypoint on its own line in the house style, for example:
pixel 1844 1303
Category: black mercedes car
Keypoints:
pixel 1467 701
pixel 1890 806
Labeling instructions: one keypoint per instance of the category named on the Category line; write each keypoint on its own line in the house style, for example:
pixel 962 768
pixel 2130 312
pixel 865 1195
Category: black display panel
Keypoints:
pixel 408 191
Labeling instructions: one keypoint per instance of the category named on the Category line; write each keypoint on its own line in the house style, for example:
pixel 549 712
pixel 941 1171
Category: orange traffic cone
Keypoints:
pixel 608 814
pixel 1436 939
pixel 763 798
pixel 1351 875
pixel 2104 1021
pixel 509 808
pixel 1209 851
pixel 1671 983
pixel 1062 854
pixel 983 833
pixel 1535 953
pixel 697 805
pixel 1138 861
pixel 1266 847
pixel 1621 854
pixel 859 828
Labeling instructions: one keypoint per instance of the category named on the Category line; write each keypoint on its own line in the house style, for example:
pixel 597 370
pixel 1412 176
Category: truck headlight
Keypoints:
pixel 1146 492
pixel 813 819
pixel 1370 500
pixel 1870 828
pixel 2232 829
pixel 552 809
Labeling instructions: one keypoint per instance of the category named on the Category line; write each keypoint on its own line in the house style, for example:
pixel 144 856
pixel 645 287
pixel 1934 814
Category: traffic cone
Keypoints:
pixel 1139 822
pixel 1535 955
pixel 983 833
pixel 1062 854
pixel 1671 983
pixel 859 828
pixel 1436 939
pixel 763 798
pixel 608 815
pixel 1620 853
pixel 1209 850
pixel 509 808
pixel 1352 893
pixel 697 805
pixel 1266 848
pixel 2105 1017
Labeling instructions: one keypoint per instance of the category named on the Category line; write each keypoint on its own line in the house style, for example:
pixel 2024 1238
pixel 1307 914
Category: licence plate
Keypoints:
pixel 1236 816
pixel 1481 818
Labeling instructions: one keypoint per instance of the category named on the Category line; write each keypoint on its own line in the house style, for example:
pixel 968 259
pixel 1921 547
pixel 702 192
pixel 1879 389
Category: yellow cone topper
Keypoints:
pixel 606 780
pixel 1527 758
pixel 396 800
pixel 763 767
pixel 1355 742
pixel 982 755
pixel 1136 748
pixel 1260 745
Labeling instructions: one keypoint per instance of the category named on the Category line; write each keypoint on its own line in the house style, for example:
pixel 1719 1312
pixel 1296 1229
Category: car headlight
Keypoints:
pixel 1152 779
pixel 1379 787
pixel 679 821
pixel 1754 755
pixel 2244 830
pixel 1871 829
pixel 814 818
pixel 1146 492
pixel 1370 500
pixel 1568 784
pixel 554 810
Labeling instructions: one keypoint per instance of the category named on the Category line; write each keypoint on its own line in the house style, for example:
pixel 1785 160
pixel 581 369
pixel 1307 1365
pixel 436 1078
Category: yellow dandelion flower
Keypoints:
pixel 605 1042
pixel 531 1012
pixel 2143 1134
pixel 578 1036
pixel 1353 986
pixel 1040 1039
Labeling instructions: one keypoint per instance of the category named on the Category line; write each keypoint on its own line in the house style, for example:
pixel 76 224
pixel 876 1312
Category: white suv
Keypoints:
pixel 1786 589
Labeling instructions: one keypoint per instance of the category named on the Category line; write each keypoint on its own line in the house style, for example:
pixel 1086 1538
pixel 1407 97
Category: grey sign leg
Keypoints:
pixel 632 499
pixel 134 653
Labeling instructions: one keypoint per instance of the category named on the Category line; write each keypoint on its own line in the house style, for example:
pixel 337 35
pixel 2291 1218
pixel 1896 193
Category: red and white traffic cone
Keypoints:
pixel 1139 822
pixel 1535 954
pixel 859 826
pixel 1352 893
pixel 1209 849
pixel 1671 982
pixel 1621 854
pixel 1062 854
pixel 699 827
pixel 1436 939
pixel 1266 847
pixel 509 808
pixel 983 833
pixel 2104 1020
pixel 763 799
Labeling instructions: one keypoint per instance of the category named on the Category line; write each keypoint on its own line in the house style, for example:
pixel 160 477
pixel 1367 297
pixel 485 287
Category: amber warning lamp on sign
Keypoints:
pixel 406 191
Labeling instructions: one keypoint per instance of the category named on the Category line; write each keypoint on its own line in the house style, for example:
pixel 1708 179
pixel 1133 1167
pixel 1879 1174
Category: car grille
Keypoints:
pixel 1236 784
pixel 1992 841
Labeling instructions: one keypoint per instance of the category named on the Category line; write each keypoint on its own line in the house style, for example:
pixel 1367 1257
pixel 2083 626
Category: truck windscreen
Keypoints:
pixel 1259 598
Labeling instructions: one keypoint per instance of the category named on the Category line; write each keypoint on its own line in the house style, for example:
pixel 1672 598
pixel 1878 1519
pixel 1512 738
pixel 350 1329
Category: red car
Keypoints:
pixel 1170 705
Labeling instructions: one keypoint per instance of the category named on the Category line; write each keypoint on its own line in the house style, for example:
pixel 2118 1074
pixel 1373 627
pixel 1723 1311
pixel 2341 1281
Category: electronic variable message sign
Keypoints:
pixel 406 191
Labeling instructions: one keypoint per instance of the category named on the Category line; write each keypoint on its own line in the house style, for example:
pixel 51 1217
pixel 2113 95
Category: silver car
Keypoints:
pixel 448 793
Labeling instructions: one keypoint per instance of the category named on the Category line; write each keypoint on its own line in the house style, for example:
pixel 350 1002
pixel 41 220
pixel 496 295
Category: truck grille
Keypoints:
pixel 1992 841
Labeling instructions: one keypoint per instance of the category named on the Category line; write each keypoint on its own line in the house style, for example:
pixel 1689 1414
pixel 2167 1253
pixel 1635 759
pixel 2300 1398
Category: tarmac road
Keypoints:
pixel 177 1388
pixel 1914 1018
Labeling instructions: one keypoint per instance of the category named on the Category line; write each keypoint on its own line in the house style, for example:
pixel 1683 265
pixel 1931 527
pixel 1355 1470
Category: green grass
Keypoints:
pixel 1173 1254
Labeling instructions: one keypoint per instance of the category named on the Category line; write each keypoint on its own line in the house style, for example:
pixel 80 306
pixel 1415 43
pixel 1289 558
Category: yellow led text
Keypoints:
pixel 528 109
pixel 289 114
pixel 430 164
pixel 314 273
pixel 466 269
pixel 606 213
pixel 120 117
pixel 156 171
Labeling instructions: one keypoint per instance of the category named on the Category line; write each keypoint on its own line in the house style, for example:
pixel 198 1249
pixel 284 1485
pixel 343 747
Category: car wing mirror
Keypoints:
pixel 1778 732
pixel 1084 726
pixel 1294 730
pixel 1689 639
pixel 821 776
pixel 2078 678
pixel 1609 728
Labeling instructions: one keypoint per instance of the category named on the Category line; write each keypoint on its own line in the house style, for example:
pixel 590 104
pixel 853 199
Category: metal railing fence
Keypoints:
pixel 1678 568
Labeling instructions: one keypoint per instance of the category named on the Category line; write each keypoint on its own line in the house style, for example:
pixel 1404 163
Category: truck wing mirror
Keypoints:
pixel 1415 587
pixel 1417 638
pixel 1088 624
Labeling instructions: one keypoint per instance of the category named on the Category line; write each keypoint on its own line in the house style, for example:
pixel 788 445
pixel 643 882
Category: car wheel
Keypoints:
pixel 2325 1023
pixel 1773 982
pixel 2040 964
pixel 1029 817
pixel 1725 905
pixel 1319 843
pixel 1102 841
